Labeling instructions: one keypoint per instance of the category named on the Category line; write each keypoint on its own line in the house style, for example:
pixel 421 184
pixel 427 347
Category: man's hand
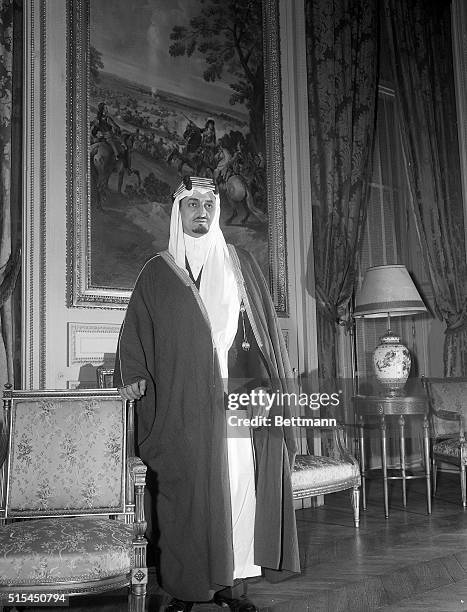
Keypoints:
pixel 134 391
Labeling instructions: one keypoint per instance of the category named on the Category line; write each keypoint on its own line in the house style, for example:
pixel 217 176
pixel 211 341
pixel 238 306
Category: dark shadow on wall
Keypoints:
pixel 88 373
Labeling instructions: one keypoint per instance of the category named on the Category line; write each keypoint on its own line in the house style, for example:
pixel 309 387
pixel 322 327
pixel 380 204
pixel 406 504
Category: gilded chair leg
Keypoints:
pixel 136 603
pixel 139 574
pixel 139 577
pixel 356 505
pixel 434 475
pixel 139 580
pixel 463 487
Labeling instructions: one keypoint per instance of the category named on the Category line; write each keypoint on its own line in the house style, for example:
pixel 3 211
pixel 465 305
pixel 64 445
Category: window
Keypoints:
pixel 389 237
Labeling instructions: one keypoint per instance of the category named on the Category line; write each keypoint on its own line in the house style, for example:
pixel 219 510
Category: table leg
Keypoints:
pixel 362 459
pixel 426 446
pixel 384 465
pixel 402 452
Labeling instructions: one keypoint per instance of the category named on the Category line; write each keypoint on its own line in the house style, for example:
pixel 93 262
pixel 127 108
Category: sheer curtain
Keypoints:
pixel 342 65
pixel 420 42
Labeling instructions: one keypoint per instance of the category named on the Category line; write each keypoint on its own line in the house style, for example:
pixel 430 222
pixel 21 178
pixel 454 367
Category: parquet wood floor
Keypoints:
pixel 406 563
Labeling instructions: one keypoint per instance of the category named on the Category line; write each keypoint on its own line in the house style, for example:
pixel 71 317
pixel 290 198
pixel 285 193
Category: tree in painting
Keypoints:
pixel 179 90
pixel 228 34
pixel 95 64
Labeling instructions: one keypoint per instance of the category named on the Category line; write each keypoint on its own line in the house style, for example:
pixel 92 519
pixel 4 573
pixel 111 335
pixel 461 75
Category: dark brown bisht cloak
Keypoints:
pixel 181 434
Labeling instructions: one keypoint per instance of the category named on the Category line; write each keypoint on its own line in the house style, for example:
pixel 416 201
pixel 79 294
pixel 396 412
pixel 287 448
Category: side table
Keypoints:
pixel 382 408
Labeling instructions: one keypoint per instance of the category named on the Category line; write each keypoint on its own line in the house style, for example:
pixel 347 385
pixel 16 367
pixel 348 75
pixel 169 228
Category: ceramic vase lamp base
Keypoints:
pixel 391 363
pixel 389 290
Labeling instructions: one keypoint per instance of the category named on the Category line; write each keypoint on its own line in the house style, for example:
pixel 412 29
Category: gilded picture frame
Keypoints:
pixel 85 288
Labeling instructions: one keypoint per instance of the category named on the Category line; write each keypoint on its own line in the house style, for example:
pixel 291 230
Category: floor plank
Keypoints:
pixel 408 562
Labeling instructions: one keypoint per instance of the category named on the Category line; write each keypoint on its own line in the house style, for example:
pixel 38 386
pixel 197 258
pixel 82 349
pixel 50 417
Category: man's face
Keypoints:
pixel 197 213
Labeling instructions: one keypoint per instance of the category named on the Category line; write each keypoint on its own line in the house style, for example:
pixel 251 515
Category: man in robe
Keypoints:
pixel 200 323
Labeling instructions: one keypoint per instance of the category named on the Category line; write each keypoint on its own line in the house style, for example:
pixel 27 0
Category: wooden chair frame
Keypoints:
pixel 132 510
pixel 336 448
pixel 458 416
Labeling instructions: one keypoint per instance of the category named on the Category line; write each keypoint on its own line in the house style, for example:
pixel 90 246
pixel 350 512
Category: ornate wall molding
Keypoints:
pixel 91 342
pixel 34 210
pixel 29 212
pixel 42 196
pixel 275 157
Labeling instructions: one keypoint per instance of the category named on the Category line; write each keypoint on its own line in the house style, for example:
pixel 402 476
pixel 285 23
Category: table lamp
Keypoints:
pixel 386 291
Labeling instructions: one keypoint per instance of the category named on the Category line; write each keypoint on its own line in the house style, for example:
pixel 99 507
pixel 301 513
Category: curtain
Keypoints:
pixel 420 42
pixel 342 64
pixel 10 179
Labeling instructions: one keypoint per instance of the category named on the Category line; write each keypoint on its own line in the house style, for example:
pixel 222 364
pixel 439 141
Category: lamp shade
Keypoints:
pixel 387 290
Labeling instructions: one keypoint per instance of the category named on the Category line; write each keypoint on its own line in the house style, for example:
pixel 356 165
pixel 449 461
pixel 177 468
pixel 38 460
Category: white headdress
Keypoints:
pixel 218 287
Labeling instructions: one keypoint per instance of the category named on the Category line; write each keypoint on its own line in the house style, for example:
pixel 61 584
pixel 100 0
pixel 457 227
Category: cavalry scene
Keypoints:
pixel 132 155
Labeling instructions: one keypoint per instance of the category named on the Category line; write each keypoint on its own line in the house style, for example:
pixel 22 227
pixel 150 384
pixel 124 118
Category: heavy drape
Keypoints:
pixel 342 65
pixel 10 29
pixel 420 42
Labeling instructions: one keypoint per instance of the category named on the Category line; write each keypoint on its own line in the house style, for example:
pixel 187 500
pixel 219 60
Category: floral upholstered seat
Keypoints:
pixel 447 447
pixel 312 472
pixel 319 475
pixel 64 550
pixel 448 408
pixel 70 466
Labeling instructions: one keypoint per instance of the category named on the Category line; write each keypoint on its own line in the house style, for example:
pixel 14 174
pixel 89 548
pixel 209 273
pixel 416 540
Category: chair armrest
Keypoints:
pixel 137 471
pixel 447 403
pixel 448 415
pixel 451 415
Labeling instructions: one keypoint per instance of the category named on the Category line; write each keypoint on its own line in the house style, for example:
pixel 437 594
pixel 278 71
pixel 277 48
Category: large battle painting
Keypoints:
pixel 176 87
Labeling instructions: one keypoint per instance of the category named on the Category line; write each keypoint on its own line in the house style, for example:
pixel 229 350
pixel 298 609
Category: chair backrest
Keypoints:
pixel 67 453
pixel 448 403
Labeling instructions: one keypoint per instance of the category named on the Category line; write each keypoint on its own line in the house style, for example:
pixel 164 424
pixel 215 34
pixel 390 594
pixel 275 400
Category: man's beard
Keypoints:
pixel 200 229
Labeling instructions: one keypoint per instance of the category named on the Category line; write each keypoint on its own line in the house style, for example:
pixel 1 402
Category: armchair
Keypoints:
pixel 69 461
pixel 448 411
pixel 337 470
